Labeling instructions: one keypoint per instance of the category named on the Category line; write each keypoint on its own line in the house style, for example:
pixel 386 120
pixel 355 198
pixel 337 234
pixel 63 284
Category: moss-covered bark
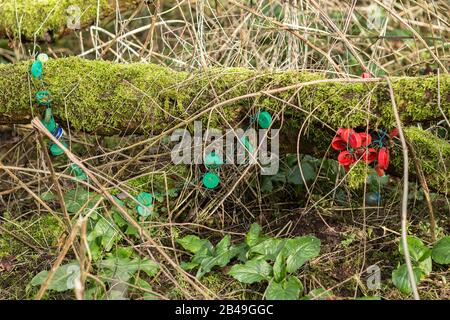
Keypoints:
pixel 107 98
pixel 31 19
pixel 100 96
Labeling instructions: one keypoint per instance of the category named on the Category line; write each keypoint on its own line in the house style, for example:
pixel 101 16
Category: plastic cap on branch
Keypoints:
pixel 264 119
pixel 49 125
pixel 78 172
pixel 145 198
pixel 55 150
pixel 43 97
pixel 210 180
pixel 58 132
pixel 36 69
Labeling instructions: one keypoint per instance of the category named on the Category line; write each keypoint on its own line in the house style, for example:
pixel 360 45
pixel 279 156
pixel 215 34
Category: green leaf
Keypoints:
pixel 194 244
pixel 268 249
pixel 318 294
pixel 75 199
pixel 295 176
pixel 124 268
pixel 252 271
pixel 299 250
pixel 188 265
pixel 426 266
pixel 288 289
pixel 400 278
pixel 63 278
pixel 417 249
pixel 253 236
pixel 279 268
pixel 150 267
pixel 441 251
pixel 48 196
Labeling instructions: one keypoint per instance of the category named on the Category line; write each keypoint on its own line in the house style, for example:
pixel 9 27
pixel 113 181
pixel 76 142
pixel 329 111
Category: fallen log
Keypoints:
pixel 45 20
pixel 109 98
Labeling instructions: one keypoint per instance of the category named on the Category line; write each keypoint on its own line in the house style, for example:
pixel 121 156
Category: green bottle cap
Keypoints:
pixel 51 124
pixel 264 119
pixel 78 172
pixel 144 211
pixel 213 161
pixel 145 199
pixel 210 180
pixel 36 69
pixel 43 97
pixel 55 150
pixel 246 142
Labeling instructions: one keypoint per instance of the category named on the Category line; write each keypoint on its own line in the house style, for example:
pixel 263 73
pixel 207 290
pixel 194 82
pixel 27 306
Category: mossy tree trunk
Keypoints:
pixel 110 98
pixel 43 20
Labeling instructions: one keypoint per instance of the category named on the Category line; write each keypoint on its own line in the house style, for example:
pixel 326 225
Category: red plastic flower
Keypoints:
pixel 366 75
pixel 338 144
pixel 366 139
pixel 383 158
pixel 393 133
pixel 379 171
pixel 370 155
pixel 345 133
pixel 345 158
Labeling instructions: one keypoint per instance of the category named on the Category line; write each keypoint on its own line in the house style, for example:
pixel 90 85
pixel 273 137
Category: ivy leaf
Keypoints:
pixel 441 251
pixel 417 249
pixel 75 199
pixel 150 267
pixel 299 250
pixel 48 196
pixel 400 278
pixel 63 278
pixel 252 271
pixel 194 244
pixel 295 175
pixel 288 289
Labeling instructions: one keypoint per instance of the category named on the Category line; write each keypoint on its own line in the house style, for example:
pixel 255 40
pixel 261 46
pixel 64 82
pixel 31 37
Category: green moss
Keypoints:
pixel 105 97
pixel 434 156
pixel 38 17
pixel 357 175
pixel 43 232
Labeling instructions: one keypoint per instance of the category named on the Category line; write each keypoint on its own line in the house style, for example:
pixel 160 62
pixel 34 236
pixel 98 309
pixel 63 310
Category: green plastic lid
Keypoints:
pixel 43 97
pixel 55 150
pixel 144 211
pixel 246 142
pixel 78 172
pixel 210 180
pixel 145 199
pixel 213 161
pixel 49 125
pixel 36 69
pixel 264 119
